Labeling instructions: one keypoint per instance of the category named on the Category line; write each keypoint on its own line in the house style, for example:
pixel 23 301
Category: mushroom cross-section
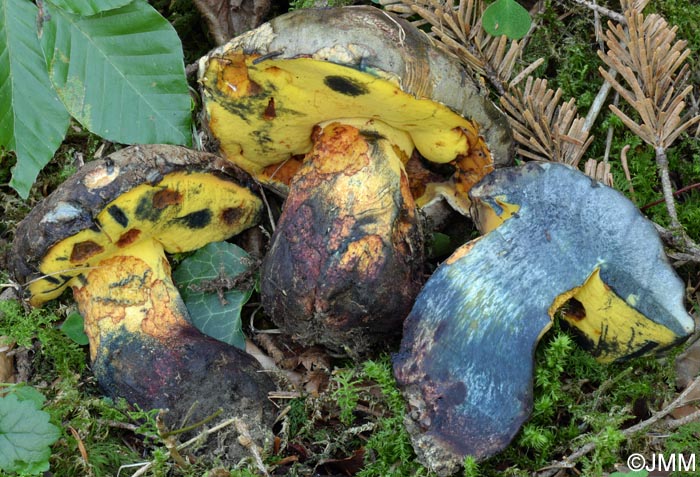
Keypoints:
pixel 331 105
pixel 104 233
pixel 551 234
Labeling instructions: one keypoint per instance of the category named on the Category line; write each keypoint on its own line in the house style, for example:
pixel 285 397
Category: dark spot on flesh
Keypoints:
pixel 128 238
pixel 345 85
pixel 118 215
pixel 52 279
pixel 195 220
pixel 84 250
pixel 82 279
pixel 231 215
pixel 371 136
pixel 140 280
pixel 574 310
pixel 145 209
pixel 166 197
pixel 269 114
pixel 453 394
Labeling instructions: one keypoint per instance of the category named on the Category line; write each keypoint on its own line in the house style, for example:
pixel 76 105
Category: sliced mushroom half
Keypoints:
pixel 551 234
pixel 330 105
pixel 104 233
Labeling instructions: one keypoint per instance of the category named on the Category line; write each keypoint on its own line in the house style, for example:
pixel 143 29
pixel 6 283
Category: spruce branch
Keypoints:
pixel 545 128
pixel 651 64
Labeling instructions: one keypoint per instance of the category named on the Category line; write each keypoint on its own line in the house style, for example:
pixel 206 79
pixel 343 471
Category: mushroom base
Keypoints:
pixel 191 375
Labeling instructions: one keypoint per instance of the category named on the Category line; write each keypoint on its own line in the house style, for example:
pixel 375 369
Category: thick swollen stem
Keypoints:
pixel 143 347
pixel 131 292
pixel 346 257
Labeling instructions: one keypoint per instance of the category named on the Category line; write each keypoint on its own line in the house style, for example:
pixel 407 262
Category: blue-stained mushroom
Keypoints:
pixel 553 236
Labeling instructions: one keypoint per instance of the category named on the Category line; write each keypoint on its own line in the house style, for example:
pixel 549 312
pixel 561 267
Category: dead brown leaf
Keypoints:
pixel 229 18
pixel 7 361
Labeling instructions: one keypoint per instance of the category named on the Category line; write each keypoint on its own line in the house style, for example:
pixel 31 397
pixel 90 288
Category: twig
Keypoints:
pixel 598 102
pixel 603 11
pixel 676 193
pixel 569 461
pixel 682 421
pixel 667 188
pixel 205 433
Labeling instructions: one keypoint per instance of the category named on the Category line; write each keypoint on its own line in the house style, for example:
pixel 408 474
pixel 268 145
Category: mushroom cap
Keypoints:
pixel 182 198
pixel 311 66
pixel 466 359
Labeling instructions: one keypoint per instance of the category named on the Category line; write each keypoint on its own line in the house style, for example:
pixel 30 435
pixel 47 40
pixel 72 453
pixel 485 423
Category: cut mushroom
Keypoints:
pixel 341 99
pixel 104 233
pixel 466 360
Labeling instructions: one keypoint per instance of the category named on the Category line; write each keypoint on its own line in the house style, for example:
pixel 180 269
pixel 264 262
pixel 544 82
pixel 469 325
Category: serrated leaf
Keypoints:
pixel 196 278
pixel 74 328
pixel 29 394
pixel 34 122
pixel 120 73
pixel 89 7
pixel 506 17
pixel 25 436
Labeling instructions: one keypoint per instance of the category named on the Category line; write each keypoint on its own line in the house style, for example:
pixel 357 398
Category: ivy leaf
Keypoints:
pixel 89 7
pixel 34 122
pixel 506 17
pixel 74 328
pixel 120 73
pixel 25 436
pixel 200 277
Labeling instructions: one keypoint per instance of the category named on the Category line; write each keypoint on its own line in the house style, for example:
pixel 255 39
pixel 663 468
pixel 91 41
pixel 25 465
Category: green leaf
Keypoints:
pixel 33 119
pixel 198 277
pixel 74 328
pixel 89 7
pixel 120 73
pixel 29 394
pixel 506 17
pixel 25 436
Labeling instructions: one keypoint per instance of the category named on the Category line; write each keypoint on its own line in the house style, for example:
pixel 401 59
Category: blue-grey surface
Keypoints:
pixel 466 359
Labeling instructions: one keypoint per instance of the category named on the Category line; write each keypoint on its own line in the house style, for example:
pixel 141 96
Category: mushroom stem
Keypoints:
pixel 345 261
pixel 144 348
pixel 130 294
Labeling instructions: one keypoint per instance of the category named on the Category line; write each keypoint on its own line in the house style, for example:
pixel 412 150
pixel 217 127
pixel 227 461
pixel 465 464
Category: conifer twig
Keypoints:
pixel 570 460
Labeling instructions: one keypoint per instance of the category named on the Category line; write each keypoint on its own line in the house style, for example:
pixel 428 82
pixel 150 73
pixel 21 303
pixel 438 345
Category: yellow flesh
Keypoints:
pixel 488 219
pixel 159 211
pixel 131 293
pixel 300 92
pixel 611 321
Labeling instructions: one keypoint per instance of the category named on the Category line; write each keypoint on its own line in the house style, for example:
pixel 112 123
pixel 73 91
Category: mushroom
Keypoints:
pixel 104 233
pixel 330 106
pixel 552 234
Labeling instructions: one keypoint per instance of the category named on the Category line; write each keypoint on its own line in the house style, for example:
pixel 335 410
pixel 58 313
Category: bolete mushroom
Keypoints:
pixel 104 233
pixel 331 105
pixel 552 234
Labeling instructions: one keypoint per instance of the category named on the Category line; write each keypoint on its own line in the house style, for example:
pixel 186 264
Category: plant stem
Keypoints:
pixel 667 188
